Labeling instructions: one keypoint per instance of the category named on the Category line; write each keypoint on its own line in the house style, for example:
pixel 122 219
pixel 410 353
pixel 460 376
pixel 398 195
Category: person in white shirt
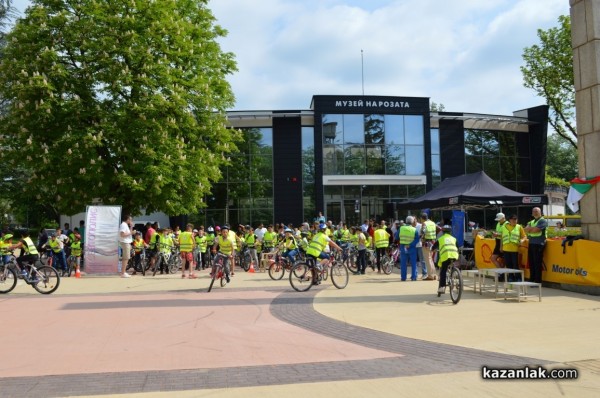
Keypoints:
pixel 125 239
pixel 260 232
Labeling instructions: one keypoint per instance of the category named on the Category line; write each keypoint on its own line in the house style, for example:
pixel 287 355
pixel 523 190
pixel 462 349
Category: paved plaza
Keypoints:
pixel 167 336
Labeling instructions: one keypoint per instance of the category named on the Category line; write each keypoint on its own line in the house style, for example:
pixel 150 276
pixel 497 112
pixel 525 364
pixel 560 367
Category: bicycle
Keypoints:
pixel 243 258
pixel 142 266
pixel 44 279
pixel 162 259
pixel 454 280
pixel 278 266
pixel 218 271
pixel 304 274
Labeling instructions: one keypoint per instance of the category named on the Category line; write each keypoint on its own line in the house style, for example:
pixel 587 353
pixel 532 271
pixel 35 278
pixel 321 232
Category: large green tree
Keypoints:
pixel 548 70
pixel 561 158
pixel 121 101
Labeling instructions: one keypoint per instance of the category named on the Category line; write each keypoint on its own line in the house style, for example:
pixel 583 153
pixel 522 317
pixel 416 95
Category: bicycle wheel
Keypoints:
pixel 212 279
pixel 324 273
pixel 157 264
pixel 351 263
pixel 456 285
pixel 339 275
pixel 223 280
pixel 276 271
pixel 174 264
pixel 387 264
pixel 301 277
pixel 70 266
pixel 130 266
pixel 8 279
pixel 48 280
pixel 246 260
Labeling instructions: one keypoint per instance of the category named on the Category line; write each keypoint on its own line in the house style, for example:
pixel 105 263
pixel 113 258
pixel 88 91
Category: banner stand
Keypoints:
pixel 101 239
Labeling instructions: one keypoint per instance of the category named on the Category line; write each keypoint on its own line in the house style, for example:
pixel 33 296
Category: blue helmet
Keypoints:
pixel 322 226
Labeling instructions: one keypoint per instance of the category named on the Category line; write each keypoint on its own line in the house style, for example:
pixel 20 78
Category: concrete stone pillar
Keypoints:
pixel 585 37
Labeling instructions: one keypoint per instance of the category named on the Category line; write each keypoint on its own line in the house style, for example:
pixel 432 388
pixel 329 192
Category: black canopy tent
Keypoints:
pixel 471 191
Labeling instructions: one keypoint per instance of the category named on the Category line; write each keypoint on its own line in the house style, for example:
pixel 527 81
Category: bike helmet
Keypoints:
pixel 7 236
pixel 288 230
pixel 225 227
pixel 447 228
pixel 322 226
pixel 210 229
pixel 217 228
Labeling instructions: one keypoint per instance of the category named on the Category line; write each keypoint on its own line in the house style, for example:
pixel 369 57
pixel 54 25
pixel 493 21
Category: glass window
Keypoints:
pixel 399 191
pixel 415 160
pixel 333 127
pixel 413 127
pixel 308 139
pixel 435 166
pixel 394 129
pixel 262 193
pixel 374 129
pixel 354 132
pixel 472 143
pixel 491 166
pixel 473 164
pixel 262 168
pixel 508 168
pixel 333 160
pixel 354 159
pixel 435 141
pixel 239 168
pixel 260 141
pixel 489 144
pixel 507 144
pixel 375 159
pixel 394 160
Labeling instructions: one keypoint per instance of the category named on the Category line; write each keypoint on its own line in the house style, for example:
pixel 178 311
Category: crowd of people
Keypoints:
pixel 422 243
pixel 417 238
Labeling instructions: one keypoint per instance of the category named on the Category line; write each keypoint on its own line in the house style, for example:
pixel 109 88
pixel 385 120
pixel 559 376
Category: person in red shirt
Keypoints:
pixel 150 230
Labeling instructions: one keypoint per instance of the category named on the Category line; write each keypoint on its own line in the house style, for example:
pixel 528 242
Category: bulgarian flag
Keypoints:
pixel 579 186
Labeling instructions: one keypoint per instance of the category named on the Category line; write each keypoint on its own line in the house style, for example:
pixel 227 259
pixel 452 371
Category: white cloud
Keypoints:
pixel 462 53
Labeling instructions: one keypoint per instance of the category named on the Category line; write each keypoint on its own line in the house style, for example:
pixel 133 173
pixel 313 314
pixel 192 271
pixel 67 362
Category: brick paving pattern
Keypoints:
pixel 418 357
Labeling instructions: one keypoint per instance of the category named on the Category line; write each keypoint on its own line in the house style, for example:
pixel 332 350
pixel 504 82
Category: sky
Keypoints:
pixel 464 54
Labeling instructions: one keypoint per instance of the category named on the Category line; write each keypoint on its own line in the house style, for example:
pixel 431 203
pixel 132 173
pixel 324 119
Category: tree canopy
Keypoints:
pixel 561 158
pixel 118 101
pixel 548 70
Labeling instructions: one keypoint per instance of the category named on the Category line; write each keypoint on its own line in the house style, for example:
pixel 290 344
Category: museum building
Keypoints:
pixel 357 157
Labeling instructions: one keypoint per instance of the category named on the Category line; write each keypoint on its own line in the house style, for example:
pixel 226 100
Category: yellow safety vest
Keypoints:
pixel 269 239
pixel 317 245
pixel 54 245
pixel 513 236
pixel 186 242
pixel 448 249
pixel 382 238
pixel 407 234
pixel 250 240
pixel 30 248
pixel 225 245
pixel 430 229
pixel 76 248
pixel 533 223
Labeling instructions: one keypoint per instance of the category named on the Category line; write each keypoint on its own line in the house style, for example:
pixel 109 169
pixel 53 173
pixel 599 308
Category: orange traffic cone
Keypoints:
pixel 251 270
pixel 77 273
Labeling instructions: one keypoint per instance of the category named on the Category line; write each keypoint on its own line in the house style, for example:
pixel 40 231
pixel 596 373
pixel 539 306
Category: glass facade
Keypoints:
pixel 373 144
pixel 309 197
pixel 245 194
pixel 367 145
pixel 497 153
pixel 436 166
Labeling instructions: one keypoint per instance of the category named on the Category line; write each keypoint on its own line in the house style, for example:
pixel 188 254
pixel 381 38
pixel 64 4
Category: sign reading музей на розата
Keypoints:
pixel 369 104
